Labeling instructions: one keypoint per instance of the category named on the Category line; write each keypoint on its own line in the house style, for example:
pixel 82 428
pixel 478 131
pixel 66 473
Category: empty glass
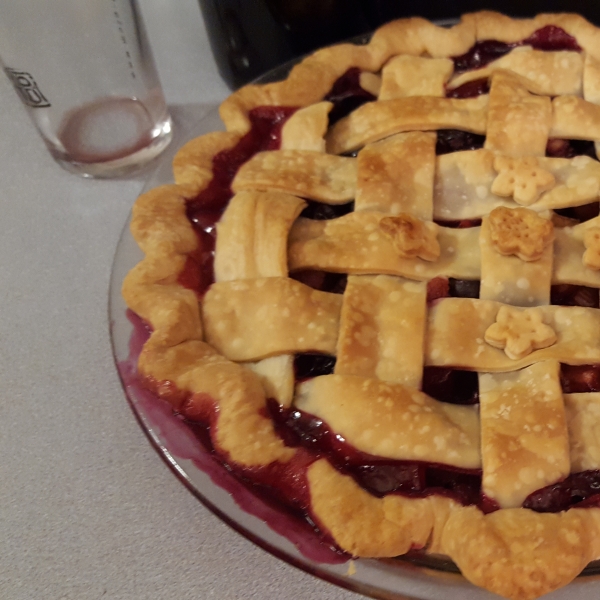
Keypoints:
pixel 85 72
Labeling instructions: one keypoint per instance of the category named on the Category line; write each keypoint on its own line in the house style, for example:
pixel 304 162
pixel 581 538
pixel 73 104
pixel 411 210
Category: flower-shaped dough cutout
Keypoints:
pixel 519 331
pixel 591 241
pixel 411 237
pixel 520 231
pixel 521 178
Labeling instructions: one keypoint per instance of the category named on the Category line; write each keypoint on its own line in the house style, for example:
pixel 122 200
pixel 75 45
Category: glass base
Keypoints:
pixel 162 135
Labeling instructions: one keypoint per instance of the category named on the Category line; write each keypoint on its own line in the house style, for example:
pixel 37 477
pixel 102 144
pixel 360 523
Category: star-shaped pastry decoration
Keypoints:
pixel 591 241
pixel 411 237
pixel 519 331
pixel 520 231
pixel 521 178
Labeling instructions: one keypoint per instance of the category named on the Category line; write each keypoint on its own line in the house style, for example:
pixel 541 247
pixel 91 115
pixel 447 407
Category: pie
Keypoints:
pixel 378 289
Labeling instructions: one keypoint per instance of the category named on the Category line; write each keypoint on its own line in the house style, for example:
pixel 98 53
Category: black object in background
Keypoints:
pixel 249 37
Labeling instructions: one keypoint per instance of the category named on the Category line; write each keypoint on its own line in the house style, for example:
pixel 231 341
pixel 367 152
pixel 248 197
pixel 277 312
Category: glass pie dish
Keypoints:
pixel 261 521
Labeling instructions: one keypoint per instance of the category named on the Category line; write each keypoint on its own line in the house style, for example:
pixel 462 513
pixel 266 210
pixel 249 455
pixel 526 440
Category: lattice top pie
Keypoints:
pixel 400 331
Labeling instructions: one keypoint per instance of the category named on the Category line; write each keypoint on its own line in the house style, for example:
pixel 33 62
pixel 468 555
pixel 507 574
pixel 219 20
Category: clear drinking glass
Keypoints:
pixel 86 74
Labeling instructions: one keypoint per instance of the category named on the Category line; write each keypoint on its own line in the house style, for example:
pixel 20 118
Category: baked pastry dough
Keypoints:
pixel 403 216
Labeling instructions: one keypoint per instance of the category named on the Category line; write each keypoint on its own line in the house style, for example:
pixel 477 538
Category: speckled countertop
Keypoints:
pixel 88 510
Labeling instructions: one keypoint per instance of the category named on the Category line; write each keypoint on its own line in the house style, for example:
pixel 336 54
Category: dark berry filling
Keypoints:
pixel 451 385
pixel 578 379
pixel 462 288
pixel 198 271
pixel 462 224
pixel 549 38
pixel 437 288
pixel 552 39
pixel 580 213
pixel 265 134
pixel 347 95
pixel 471 89
pixel 577 490
pixel 307 365
pixel 322 281
pixel 442 287
pixel 454 140
pixel 557 148
pixel 481 54
pixel 323 212
pixel 574 295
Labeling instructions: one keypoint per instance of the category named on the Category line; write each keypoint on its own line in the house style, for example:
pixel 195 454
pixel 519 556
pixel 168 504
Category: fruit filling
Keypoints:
pixel 347 95
pixel 578 490
pixel 549 38
pixel 304 431
pixel 454 140
pixel 374 474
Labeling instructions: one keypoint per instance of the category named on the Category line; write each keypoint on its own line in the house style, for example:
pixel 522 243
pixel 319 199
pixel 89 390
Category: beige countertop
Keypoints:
pixel 88 510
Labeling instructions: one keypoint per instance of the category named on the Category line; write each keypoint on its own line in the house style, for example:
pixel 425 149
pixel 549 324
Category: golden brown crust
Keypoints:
pixel 159 223
pixel 293 318
pixel 252 235
pixel 196 368
pixel 162 231
pixel 315 175
pixel 375 121
pixel 361 524
pixel 411 237
pixel 524 439
pixel 524 179
pixel 457 326
pixel 192 165
pixel 312 79
pixel 396 175
pixel 510 279
pixel 518 122
pixel 366 413
pixel 375 338
pixel 583 419
pixel 355 244
pixel 547 73
pixel 306 128
pixel 407 75
pixel 517 553
pixel 575 119
pixel 520 231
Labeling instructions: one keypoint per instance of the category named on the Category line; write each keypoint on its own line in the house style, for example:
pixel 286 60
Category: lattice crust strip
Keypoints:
pixel 525 434
pixel 457 330
pixel 396 175
pixel 375 121
pixel 524 439
pixel 357 244
pixel 468 184
pixel 394 420
pixel 377 339
pixel 547 73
